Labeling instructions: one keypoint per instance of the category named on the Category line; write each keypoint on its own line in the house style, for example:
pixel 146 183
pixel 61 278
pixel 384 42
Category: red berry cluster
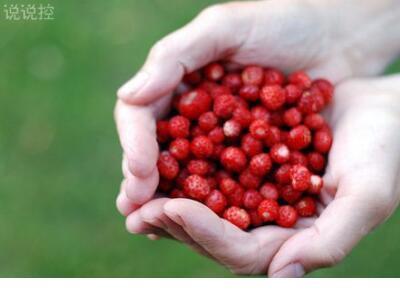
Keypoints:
pixel 251 145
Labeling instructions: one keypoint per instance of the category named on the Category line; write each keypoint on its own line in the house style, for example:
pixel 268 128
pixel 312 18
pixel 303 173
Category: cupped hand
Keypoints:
pixel 361 190
pixel 287 34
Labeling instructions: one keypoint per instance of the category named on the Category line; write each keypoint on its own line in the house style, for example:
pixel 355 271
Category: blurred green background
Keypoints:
pixel 60 157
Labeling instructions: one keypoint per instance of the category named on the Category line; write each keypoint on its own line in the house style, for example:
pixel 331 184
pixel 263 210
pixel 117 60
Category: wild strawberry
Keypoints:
pixel 212 183
pixel 306 207
pixel 198 166
pixel 322 141
pixel 233 159
pixel 177 193
pixel 273 76
pixel 242 116
pixel 293 93
pixel 214 71
pixel 253 75
pixel 273 136
pixel 299 137
pixel 196 187
pixel 258 129
pixel 296 157
pixel 216 201
pixel 192 104
pixel 255 219
pixel 269 191
pixel 202 147
pixel 248 180
pixel 192 78
pixel 251 199
pixel 272 96
pixel 260 113
pixel 325 87
pixel 236 197
pixel 208 121
pixel 268 210
pixel 289 194
pixel 314 121
pixel 232 128
pixel 216 135
pixel 300 177
pixel 292 117
pixel 163 131
pixel 276 118
pixel 251 146
pixel 180 179
pixel 224 105
pixel 179 127
pixel 260 164
pixel 241 103
pixel 164 185
pixel 287 216
pixel 197 131
pixel 221 174
pixel 301 79
pixel 316 161
pixel 167 166
pixel 227 185
pixel 282 174
pixel 179 148
pixel 233 81
pixel 238 217
pixel 311 101
pixel 250 92
pixel 217 151
pixel 280 153
pixel 218 90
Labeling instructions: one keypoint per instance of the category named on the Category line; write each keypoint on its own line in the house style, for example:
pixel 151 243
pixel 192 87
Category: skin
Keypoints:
pixel 362 175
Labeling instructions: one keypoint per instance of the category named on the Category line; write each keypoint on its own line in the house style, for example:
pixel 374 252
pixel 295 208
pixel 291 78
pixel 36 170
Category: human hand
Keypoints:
pixel 288 34
pixel 361 190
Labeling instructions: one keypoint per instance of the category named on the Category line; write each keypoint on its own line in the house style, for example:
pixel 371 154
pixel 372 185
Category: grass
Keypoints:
pixel 60 157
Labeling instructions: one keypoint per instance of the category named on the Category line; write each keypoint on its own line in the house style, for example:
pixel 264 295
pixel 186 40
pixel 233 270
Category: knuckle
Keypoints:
pixel 380 204
pixel 215 13
pixel 160 48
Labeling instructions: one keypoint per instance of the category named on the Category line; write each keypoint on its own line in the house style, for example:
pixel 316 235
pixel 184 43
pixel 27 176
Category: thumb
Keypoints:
pixel 203 40
pixel 354 212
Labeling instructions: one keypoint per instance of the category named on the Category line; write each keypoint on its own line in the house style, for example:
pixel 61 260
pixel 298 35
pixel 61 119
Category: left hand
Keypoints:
pixel 361 190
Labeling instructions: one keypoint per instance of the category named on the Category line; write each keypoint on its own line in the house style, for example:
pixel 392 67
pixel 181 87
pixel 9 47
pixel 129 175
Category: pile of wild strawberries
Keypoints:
pixel 251 145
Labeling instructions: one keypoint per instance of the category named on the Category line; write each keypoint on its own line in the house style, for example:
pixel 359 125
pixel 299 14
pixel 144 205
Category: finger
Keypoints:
pixel 137 133
pixel 228 244
pixel 124 205
pixel 353 213
pixel 205 39
pixel 134 224
pixel 151 216
pixel 153 237
pixel 140 190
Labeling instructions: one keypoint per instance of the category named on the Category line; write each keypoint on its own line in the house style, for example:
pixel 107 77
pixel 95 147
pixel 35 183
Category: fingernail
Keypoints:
pixel 290 271
pixel 134 85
